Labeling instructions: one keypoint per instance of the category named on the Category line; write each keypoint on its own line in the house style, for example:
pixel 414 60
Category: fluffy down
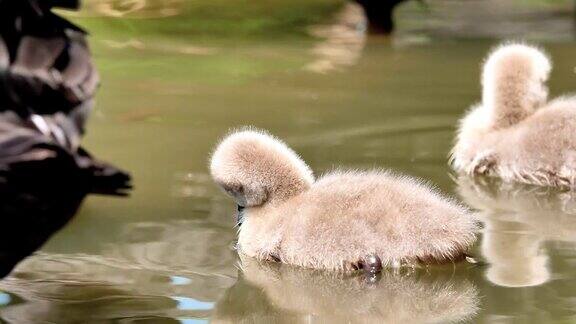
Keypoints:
pixel 342 218
pixel 514 133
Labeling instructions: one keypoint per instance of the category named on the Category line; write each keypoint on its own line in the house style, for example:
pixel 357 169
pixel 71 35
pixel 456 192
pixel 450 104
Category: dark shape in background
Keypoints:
pixel 47 85
pixel 379 14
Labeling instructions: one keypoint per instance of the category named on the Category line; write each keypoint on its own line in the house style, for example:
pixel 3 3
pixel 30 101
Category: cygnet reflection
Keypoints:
pixel 518 219
pixel 267 293
pixel 343 41
pixel 134 8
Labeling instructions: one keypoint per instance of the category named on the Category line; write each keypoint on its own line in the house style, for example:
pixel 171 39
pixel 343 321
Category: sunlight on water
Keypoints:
pixel 179 281
pixel 192 321
pixel 185 303
pixel 5 299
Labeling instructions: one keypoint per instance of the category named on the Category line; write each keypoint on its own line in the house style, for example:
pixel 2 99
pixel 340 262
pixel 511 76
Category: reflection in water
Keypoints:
pixel 158 46
pixel 135 8
pixel 32 213
pixel 494 19
pixel 518 220
pixel 81 302
pixel 182 245
pixel 344 41
pixel 80 288
pixel 160 271
pixel 273 293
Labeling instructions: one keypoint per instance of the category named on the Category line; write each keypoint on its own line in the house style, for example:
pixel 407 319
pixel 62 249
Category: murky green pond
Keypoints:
pixel 175 80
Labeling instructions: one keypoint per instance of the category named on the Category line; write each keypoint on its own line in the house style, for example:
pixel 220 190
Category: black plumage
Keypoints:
pixel 45 65
pixel 47 85
pixel 379 14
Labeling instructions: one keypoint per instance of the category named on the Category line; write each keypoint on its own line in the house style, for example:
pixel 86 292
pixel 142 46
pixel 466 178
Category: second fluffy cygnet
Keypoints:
pixel 346 220
pixel 514 133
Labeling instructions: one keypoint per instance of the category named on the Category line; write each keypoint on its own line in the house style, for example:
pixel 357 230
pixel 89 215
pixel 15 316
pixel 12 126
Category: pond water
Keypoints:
pixel 175 81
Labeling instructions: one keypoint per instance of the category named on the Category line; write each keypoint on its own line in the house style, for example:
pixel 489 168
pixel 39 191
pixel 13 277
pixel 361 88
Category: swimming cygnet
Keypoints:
pixel 346 220
pixel 514 133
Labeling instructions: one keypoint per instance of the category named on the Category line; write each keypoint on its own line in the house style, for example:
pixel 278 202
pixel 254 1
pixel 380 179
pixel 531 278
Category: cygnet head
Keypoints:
pixel 514 83
pixel 255 168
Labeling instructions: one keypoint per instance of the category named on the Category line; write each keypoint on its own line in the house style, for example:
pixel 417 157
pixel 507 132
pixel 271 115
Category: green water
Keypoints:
pixel 174 81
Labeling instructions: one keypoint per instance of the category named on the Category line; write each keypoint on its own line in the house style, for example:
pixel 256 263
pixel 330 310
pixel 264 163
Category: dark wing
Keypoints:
pixel 45 63
pixel 47 85
pixel 32 158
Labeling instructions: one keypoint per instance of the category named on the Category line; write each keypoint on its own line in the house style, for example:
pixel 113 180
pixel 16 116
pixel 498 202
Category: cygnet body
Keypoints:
pixel 515 133
pixel 345 220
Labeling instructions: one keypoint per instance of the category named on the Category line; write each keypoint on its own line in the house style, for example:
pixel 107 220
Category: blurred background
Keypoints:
pixel 354 84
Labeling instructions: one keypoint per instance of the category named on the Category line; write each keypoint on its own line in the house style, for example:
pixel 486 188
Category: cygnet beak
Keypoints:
pixel 240 216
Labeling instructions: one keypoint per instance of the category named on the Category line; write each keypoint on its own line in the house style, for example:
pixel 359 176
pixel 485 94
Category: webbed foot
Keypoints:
pixel 483 164
pixel 369 264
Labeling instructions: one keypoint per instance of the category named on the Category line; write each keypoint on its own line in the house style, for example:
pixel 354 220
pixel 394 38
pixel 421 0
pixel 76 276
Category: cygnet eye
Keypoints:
pixel 237 191
pixel 233 189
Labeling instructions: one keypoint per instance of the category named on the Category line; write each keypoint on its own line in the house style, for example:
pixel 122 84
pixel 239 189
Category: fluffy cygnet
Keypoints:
pixel 514 133
pixel 346 220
